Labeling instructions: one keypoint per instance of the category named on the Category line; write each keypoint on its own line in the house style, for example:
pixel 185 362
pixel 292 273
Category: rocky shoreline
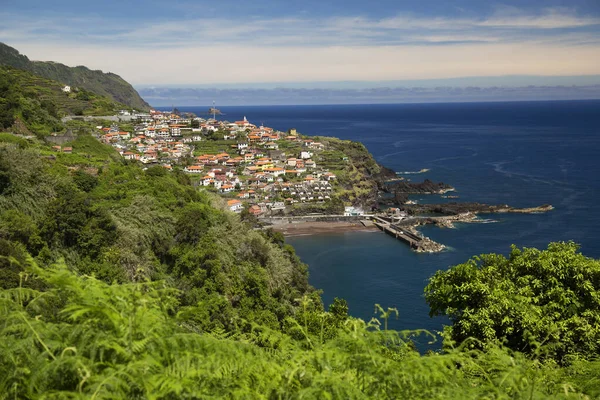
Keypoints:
pixel 405 217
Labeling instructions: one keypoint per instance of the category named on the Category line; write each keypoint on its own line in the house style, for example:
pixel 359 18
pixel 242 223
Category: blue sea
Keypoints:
pixel 518 153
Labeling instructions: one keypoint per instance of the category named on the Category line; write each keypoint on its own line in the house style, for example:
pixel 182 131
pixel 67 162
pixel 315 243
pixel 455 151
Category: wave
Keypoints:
pixel 422 171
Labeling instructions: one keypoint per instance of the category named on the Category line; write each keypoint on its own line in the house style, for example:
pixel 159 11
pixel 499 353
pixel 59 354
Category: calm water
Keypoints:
pixel 522 154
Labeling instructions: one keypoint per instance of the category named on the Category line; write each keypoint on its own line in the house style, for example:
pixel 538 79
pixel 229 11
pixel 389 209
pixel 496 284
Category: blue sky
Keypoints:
pixel 314 43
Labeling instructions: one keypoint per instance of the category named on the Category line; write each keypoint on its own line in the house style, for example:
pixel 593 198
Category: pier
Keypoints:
pixel 416 242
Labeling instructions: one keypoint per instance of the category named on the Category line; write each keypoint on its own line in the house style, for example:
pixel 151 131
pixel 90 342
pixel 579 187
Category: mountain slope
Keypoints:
pixel 105 84
pixel 40 103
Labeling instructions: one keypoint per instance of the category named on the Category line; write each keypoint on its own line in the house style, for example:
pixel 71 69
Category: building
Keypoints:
pixel 255 210
pixel 353 211
pixel 235 206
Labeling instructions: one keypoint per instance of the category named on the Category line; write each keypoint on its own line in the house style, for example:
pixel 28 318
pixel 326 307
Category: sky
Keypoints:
pixel 308 44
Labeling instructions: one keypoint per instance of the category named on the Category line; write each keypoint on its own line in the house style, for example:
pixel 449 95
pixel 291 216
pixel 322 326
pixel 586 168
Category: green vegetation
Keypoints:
pixel 533 297
pixel 108 217
pixel 354 167
pixel 102 84
pixel 118 282
pixel 29 103
pixel 215 146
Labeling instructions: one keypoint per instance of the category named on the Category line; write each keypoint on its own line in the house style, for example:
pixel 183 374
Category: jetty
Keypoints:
pixel 416 242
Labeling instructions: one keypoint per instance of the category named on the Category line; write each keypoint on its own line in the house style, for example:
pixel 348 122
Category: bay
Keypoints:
pixel 518 153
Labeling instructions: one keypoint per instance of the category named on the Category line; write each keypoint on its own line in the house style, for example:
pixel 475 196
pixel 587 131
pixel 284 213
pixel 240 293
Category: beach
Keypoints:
pixel 319 228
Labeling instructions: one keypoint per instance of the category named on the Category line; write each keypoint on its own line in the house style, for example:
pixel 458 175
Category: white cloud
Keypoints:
pixel 221 64
pixel 204 50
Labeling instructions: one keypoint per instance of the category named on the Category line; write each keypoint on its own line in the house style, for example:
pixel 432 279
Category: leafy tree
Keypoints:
pixel 532 298
pixel 85 181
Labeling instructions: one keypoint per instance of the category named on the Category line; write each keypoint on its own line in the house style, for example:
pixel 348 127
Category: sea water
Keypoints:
pixel 520 153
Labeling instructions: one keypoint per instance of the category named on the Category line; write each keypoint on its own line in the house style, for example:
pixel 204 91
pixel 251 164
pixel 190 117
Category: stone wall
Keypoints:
pixel 312 218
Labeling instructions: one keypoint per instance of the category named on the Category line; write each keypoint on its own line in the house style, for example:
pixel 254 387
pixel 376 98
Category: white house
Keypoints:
pixel 235 206
pixel 353 211
pixel 193 169
pixel 305 155
pixel 66 89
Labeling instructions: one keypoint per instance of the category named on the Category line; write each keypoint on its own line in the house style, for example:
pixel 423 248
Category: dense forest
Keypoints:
pixel 120 282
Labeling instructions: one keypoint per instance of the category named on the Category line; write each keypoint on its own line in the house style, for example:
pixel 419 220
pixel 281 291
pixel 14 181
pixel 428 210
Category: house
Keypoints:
pixel 305 155
pixel 255 210
pixel 66 89
pixel 128 155
pixel 276 171
pixel 206 180
pixel 235 206
pixel 193 169
pixel 226 188
pixel 329 176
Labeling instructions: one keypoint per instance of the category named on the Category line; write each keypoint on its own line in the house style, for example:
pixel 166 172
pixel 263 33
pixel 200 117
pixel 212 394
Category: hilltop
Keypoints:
pixel 98 82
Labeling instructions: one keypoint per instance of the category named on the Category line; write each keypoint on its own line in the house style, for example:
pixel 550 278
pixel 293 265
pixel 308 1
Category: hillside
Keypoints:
pixel 98 82
pixel 119 282
pixel 37 103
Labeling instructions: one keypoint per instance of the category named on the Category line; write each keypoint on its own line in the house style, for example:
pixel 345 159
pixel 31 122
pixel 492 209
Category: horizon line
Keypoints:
pixel 389 104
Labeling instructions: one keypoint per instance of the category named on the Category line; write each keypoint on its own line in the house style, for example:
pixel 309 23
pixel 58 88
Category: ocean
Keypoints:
pixel 518 153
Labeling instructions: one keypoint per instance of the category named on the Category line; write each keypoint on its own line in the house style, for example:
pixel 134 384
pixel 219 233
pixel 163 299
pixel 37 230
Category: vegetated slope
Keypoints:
pixel 119 282
pixel 356 170
pixel 40 103
pixel 104 84
pixel 121 223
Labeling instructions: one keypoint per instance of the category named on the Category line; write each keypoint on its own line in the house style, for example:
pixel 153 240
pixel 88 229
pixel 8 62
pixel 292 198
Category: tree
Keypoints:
pixel 533 297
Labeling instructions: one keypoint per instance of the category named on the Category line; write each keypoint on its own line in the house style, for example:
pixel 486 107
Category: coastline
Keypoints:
pixel 319 228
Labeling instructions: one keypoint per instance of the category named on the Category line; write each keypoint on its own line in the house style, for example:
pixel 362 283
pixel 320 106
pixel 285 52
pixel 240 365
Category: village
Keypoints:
pixel 253 167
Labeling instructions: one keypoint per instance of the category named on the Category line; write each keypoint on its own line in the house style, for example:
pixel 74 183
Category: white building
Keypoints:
pixel 353 211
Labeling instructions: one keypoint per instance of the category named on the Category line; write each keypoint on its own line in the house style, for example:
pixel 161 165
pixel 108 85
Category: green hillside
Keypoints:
pixel 104 84
pixel 119 282
pixel 124 282
pixel 39 103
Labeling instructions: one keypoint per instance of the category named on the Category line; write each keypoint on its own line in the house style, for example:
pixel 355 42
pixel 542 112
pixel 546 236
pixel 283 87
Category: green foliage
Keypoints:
pixel 85 181
pixel 144 287
pixel 533 297
pixel 40 103
pixel 91 83
pixel 83 338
